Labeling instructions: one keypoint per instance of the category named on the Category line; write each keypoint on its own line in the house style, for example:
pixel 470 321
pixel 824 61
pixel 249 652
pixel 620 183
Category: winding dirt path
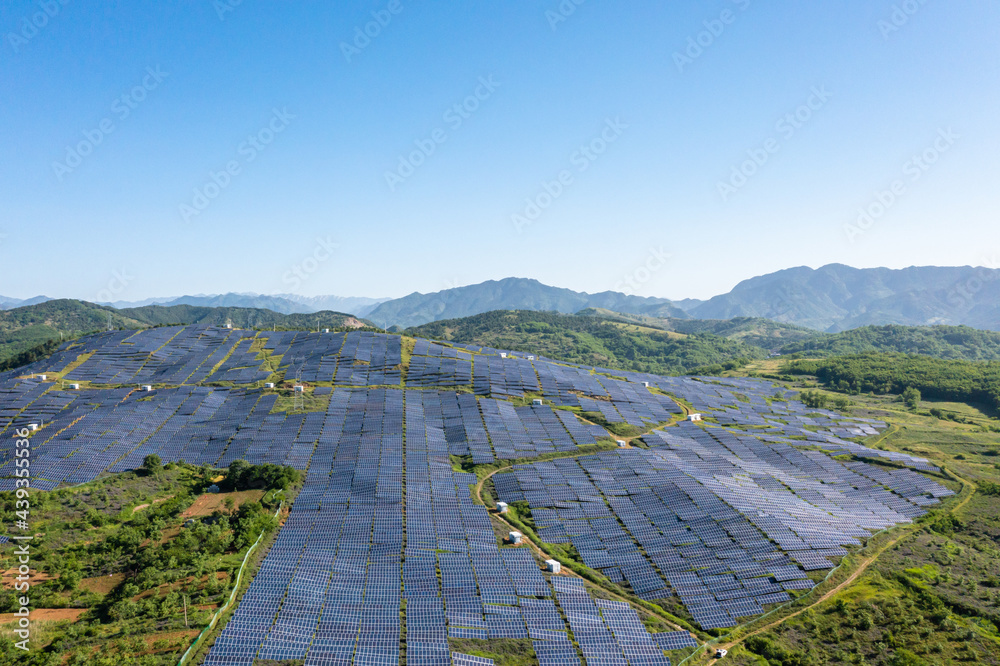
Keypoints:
pixel 566 571
pixel 862 567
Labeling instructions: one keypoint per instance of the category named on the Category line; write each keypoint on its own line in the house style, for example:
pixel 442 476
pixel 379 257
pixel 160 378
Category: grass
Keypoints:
pixel 119 525
pixel 932 596
pixel 503 651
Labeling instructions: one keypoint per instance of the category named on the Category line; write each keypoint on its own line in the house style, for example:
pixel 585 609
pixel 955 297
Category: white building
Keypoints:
pixel 553 566
pixel 299 388
pixel 621 443
pixel 694 417
pixel 269 385
pixel 74 387
pixel 147 388
pixel 502 507
pixel 515 538
pixel 537 401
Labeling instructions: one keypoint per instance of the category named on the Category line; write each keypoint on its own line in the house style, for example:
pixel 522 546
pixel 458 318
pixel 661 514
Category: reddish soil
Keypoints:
pixel 208 503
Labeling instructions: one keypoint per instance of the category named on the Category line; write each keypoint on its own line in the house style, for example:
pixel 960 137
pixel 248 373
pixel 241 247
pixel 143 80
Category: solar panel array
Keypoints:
pixel 332 586
pixel 385 538
pixel 726 521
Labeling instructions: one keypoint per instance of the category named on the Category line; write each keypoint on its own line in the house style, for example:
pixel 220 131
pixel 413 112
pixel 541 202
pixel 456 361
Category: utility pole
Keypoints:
pixel 185 611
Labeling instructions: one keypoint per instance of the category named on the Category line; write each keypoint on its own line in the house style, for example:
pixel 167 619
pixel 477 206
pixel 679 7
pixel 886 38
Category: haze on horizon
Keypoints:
pixel 217 146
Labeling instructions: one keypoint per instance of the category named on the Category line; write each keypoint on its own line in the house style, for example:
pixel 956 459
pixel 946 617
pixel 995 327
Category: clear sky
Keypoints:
pixel 199 146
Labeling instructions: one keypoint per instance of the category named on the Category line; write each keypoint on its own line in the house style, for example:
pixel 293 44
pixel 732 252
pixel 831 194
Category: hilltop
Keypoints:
pixel 511 294
pixel 24 328
pixel 836 297
pixel 592 340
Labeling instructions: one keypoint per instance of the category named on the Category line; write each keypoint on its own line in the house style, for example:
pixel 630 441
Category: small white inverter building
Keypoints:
pixel 502 507
pixel 553 566
pixel 515 538
pixel 694 417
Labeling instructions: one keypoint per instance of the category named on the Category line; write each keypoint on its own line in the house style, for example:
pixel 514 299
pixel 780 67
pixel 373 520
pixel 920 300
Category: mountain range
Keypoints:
pixel 837 297
pixel 511 294
pixel 832 298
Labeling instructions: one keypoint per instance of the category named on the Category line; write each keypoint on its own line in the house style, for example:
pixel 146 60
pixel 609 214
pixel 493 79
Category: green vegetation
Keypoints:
pixel 763 333
pixel 135 563
pixel 963 381
pixel 591 341
pixel 26 330
pixel 241 475
pixel 947 342
pixel 503 651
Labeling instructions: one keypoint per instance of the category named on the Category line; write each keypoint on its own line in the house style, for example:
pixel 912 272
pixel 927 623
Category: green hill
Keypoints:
pixel 24 329
pixel 158 315
pixel 972 382
pixel 755 331
pixel 592 340
pixel 947 342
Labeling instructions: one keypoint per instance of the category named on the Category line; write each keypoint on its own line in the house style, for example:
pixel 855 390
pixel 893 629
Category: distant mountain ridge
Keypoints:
pixel 281 303
pixel 836 297
pixel 511 294
pixel 6 302
pixel 830 299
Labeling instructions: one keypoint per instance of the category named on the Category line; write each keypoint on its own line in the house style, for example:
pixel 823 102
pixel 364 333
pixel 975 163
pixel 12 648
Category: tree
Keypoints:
pixel 911 397
pixel 841 403
pixel 152 464
pixel 814 399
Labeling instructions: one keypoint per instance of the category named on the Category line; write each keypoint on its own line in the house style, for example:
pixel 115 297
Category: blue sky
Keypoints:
pixel 200 146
